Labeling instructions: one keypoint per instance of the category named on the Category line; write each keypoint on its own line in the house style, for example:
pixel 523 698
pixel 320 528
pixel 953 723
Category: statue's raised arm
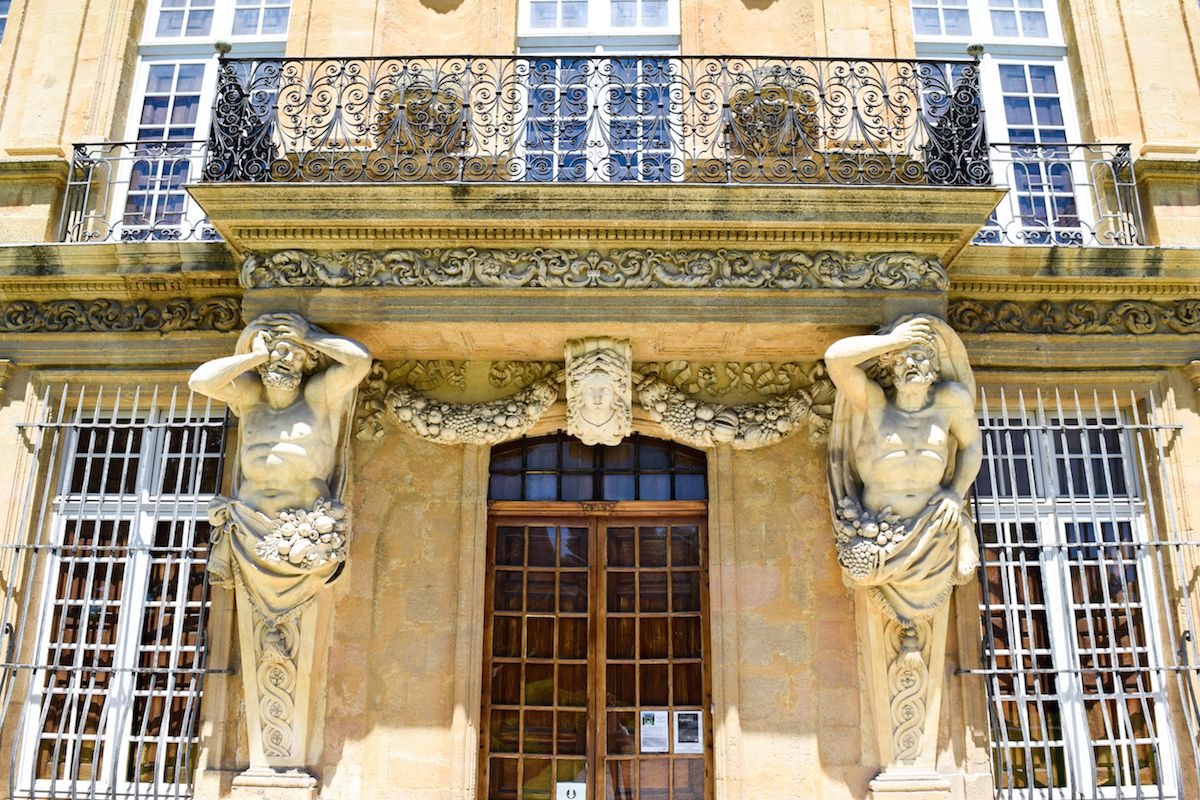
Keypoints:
pixel 283 532
pixel 904 450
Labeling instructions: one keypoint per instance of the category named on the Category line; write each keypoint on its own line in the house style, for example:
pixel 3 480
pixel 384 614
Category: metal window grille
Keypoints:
pixel 106 594
pixel 1088 598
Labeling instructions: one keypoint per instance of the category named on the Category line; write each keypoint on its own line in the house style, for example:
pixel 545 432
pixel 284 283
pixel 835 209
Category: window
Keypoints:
pixel 1020 18
pixel 5 8
pixel 260 17
pixel 188 22
pixel 596 676
pixel 186 18
pixel 112 643
pixel 941 17
pixel 1073 600
pixel 600 18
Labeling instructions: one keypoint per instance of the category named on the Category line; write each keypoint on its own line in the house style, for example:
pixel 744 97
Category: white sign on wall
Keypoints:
pixel 570 791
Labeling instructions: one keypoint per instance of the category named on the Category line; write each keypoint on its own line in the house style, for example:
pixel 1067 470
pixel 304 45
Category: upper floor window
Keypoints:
pixel 174 21
pixel 987 20
pixel 5 6
pixel 599 25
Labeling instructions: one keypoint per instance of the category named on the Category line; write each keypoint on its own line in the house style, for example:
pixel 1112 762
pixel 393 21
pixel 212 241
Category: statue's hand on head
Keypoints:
pixel 914 331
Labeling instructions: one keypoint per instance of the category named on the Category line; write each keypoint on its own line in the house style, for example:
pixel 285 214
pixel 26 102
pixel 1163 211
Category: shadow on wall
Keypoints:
pixel 446 6
pixel 758 5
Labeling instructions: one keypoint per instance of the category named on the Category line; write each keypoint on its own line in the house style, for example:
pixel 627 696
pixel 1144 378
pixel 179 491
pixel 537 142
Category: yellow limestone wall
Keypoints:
pixel 401 685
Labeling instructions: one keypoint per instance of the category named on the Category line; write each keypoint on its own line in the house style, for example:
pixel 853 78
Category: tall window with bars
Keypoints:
pixel 110 606
pixel 1082 639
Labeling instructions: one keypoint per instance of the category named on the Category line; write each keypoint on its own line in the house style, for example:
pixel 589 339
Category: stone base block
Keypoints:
pixel 274 784
pixel 895 784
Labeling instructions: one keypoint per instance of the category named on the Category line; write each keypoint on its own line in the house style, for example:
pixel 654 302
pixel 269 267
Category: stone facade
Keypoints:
pixel 721 301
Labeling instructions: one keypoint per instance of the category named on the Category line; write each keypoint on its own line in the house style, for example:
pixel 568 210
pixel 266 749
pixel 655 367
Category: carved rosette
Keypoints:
pixel 276 647
pixel 487 423
pixel 548 267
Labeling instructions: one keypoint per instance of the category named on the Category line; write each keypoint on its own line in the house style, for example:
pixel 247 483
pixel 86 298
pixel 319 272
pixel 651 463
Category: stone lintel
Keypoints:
pixel 116 350
pixel 1029 269
pixel 42 261
pixel 37 166
pixel 532 324
pixel 936 221
pixel 1079 352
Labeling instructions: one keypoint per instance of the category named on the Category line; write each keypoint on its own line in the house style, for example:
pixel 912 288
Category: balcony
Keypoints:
pixel 655 119
pixel 1065 194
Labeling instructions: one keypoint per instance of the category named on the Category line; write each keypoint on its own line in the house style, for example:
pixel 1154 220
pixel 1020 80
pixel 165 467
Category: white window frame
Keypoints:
pixel 599 35
pixel 221 30
pixel 142 509
pixel 1053 513
pixel 979 12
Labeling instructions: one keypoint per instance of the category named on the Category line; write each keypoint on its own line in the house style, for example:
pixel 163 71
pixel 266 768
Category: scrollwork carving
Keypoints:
pixel 221 314
pixel 1077 317
pixel 276 656
pixel 545 267
pixel 490 422
pixel 908 683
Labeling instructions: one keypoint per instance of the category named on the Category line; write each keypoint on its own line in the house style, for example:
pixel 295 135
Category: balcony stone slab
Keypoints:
pixel 532 321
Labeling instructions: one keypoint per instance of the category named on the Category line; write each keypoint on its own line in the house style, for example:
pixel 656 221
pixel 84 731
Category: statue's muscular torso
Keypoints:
pixel 902 456
pixel 287 454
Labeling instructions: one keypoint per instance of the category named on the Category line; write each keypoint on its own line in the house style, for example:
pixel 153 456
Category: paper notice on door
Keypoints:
pixel 570 791
pixel 655 732
pixel 689 734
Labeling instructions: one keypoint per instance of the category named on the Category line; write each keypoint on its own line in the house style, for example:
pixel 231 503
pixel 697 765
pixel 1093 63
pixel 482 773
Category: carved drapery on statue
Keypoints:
pixel 908 564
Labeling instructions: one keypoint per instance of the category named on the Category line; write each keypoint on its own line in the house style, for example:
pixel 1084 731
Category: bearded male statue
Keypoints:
pixel 284 532
pixel 904 450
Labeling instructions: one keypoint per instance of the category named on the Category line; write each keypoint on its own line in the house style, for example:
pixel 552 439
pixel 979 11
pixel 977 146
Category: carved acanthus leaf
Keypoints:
pixel 1126 317
pixel 490 422
pixel 546 267
pixel 222 314
pixel 716 380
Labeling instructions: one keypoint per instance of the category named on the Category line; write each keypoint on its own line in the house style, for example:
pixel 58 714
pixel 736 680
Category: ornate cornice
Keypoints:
pixel 1126 317
pixel 221 314
pixel 636 268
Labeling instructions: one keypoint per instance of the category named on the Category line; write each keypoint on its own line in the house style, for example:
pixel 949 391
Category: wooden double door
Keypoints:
pixel 596 652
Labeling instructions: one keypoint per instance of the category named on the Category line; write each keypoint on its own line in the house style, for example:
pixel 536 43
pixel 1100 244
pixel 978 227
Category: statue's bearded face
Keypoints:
pixel 914 364
pixel 285 366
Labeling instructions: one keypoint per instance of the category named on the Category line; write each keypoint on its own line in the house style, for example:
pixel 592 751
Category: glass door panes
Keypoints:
pixel 654 659
pixel 595 674
pixel 156 202
pixel 1041 170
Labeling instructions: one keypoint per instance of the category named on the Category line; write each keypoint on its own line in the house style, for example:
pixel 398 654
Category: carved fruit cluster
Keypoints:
pixel 307 538
pixel 864 537
pixel 476 423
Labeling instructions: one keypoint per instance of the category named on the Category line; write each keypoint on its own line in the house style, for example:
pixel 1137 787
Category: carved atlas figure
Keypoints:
pixel 283 533
pixel 904 450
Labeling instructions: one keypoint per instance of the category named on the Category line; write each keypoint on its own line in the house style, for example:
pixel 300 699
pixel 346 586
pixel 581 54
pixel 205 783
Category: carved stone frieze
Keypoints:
pixel 722 379
pixel 489 422
pixel 7 370
pixel 1127 317
pixel 635 268
pixel 222 314
pixel 744 427
pixel 519 374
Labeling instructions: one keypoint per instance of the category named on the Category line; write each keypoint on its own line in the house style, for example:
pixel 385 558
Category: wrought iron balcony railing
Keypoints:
pixel 134 192
pixel 704 119
pixel 1065 194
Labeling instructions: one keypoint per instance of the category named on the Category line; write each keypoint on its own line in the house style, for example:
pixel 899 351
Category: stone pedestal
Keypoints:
pixel 901 783
pixel 264 783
